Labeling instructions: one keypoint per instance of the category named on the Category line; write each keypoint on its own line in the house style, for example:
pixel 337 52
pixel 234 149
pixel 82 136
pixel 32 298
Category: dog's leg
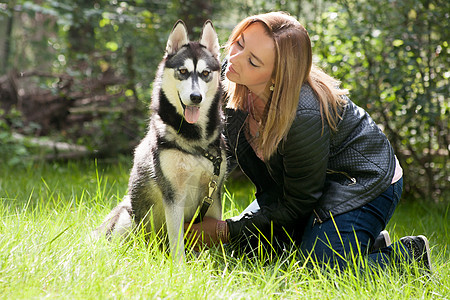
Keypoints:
pixel 175 229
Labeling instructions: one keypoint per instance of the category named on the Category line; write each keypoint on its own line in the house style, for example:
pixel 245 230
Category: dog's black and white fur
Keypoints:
pixel 175 163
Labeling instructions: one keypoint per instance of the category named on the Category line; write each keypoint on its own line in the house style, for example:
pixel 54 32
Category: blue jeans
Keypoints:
pixel 334 240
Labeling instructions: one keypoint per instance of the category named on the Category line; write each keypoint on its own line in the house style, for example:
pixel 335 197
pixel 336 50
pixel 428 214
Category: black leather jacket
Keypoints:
pixel 314 171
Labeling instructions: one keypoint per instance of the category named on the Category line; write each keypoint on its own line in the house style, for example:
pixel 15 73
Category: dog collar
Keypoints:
pixel 216 160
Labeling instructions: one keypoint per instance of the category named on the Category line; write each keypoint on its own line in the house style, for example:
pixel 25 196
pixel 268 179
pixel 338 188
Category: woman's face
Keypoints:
pixel 252 58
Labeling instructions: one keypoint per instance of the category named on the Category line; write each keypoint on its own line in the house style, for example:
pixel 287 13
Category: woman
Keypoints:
pixel 326 177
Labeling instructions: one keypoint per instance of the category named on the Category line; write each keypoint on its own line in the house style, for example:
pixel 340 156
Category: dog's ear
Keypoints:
pixel 177 38
pixel 209 38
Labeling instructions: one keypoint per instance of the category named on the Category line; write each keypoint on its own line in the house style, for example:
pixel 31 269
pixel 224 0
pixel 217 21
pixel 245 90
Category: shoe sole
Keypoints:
pixel 387 238
pixel 381 243
pixel 427 250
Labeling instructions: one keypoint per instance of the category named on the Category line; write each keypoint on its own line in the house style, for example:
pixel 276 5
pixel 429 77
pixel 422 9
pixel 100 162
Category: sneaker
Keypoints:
pixel 419 247
pixel 383 240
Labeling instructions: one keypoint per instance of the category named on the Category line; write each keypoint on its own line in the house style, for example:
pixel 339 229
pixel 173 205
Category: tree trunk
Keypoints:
pixel 8 37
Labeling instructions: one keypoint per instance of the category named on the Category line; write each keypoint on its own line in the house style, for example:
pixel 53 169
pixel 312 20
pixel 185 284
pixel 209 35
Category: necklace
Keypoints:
pixel 255 110
pixel 254 122
pixel 252 137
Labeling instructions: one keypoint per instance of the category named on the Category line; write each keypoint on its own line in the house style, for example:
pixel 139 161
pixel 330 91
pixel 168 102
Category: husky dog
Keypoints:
pixel 179 167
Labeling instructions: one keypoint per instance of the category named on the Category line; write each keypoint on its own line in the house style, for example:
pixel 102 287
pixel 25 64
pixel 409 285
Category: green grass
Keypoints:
pixel 47 212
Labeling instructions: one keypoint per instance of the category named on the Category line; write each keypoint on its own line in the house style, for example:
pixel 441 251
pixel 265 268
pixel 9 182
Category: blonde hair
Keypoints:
pixel 293 67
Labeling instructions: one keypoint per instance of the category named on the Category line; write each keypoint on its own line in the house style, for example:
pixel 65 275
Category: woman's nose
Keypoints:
pixel 234 57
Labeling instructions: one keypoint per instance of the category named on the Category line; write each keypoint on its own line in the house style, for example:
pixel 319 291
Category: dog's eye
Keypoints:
pixel 182 71
pixel 206 73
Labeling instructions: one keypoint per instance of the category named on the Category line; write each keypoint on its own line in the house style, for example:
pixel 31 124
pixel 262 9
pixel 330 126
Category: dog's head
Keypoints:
pixel 192 71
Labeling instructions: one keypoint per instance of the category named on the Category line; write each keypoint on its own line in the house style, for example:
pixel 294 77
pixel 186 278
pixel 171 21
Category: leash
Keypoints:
pixel 212 186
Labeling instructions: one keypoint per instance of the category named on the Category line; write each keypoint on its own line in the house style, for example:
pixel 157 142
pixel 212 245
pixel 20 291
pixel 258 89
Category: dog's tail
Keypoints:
pixel 118 223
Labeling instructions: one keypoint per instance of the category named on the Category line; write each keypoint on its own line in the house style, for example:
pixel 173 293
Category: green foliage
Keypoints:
pixel 394 59
pixel 393 56
pixel 12 153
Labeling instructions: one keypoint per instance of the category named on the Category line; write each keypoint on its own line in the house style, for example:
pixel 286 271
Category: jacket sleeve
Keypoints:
pixel 303 157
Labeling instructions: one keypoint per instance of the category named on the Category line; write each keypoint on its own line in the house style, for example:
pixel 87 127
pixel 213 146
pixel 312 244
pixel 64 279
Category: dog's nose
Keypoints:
pixel 196 97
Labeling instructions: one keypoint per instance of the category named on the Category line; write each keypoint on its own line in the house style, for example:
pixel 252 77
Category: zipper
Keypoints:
pixel 237 158
pixel 237 143
pixel 352 179
pixel 316 219
pixel 329 171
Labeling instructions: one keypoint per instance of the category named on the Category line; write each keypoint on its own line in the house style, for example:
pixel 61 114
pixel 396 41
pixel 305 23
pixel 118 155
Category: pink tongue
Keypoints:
pixel 191 114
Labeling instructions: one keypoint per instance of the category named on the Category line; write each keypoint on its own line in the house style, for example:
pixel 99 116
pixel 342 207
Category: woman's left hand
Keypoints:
pixel 203 233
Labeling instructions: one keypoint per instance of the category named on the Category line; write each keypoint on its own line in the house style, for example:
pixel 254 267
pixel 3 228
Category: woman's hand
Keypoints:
pixel 207 233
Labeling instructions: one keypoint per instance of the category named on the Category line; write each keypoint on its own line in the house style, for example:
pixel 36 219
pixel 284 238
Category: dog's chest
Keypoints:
pixel 188 175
